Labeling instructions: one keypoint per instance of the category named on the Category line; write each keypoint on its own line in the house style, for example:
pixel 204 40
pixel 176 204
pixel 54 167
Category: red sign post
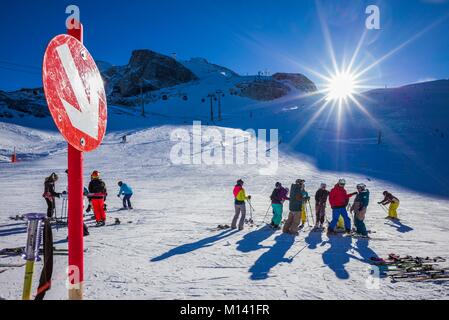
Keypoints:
pixel 75 95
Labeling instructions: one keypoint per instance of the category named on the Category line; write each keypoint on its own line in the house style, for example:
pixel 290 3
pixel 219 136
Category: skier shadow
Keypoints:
pixel 337 256
pixel 275 255
pixel 251 241
pixel 12 231
pixel 313 239
pixel 400 227
pixel 189 247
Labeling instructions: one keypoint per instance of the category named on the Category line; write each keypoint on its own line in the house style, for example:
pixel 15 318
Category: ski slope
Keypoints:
pixel 168 250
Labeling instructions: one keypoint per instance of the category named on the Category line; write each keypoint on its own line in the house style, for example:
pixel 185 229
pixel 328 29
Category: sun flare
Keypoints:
pixel 341 86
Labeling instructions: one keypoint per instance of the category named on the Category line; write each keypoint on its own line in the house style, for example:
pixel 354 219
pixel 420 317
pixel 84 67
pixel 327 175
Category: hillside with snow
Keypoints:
pixel 166 249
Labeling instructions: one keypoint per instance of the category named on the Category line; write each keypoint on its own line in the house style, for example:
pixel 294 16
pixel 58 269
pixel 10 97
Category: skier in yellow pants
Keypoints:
pixel 341 223
pixel 394 205
pixel 306 198
pixel 303 214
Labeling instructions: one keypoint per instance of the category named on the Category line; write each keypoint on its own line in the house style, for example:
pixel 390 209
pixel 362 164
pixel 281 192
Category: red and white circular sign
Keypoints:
pixel 75 92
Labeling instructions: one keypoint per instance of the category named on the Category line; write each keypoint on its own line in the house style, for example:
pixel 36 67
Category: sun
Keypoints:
pixel 341 86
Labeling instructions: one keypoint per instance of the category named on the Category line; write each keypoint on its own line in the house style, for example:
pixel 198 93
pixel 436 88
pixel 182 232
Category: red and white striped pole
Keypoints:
pixel 75 208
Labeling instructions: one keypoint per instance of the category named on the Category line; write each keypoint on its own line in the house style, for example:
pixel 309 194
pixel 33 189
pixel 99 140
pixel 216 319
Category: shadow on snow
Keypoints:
pixel 400 227
pixel 271 258
pixel 189 247
pixel 337 255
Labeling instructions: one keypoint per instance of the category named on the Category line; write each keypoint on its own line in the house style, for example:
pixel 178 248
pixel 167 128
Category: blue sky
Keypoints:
pixel 244 35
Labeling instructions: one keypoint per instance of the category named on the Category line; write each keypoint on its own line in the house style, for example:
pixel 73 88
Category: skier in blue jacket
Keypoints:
pixel 359 209
pixel 127 193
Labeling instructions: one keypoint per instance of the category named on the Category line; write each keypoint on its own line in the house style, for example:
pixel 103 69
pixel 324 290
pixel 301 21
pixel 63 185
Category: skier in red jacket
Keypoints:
pixel 338 199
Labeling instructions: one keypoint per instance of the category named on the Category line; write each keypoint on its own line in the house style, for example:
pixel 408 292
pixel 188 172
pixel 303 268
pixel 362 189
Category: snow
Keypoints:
pixel 168 251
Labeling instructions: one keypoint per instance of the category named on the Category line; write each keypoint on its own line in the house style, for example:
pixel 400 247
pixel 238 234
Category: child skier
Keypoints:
pixel 394 205
pixel 359 207
pixel 306 198
pixel 278 196
pixel 291 226
pixel 339 199
pixel 127 194
pixel 97 194
pixel 50 193
pixel 320 205
pixel 239 205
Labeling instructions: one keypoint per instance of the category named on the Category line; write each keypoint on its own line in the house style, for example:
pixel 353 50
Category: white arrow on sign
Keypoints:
pixel 86 119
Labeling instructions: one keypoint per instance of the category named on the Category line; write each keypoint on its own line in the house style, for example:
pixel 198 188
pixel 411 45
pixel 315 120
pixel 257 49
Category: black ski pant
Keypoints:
pixel 127 201
pixel 50 207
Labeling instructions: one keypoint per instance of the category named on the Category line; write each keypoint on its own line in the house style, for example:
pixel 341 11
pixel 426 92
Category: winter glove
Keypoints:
pixel 118 195
pixel 58 195
pixel 249 197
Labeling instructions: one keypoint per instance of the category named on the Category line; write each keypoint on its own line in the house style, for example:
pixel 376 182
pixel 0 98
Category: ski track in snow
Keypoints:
pixel 169 251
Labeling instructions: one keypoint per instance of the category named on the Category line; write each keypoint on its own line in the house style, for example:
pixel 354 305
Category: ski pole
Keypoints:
pixel 31 254
pixel 383 207
pixel 269 206
pixel 250 205
pixel 311 212
pixel 250 212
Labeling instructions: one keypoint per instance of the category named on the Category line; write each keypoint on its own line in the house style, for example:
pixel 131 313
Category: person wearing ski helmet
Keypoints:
pixel 296 200
pixel 278 196
pixel 50 194
pixel 321 196
pixel 359 207
pixel 127 193
pixel 339 199
pixel 97 194
pixel 239 205
pixel 394 205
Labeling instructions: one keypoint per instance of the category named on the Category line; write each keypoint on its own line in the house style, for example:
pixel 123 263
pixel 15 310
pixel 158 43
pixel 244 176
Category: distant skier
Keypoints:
pixel 239 204
pixel 359 207
pixel 291 226
pixel 97 194
pixel 278 196
pixel 85 192
pixel 50 194
pixel 124 138
pixel 320 205
pixel 339 199
pixel 394 205
pixel 127 193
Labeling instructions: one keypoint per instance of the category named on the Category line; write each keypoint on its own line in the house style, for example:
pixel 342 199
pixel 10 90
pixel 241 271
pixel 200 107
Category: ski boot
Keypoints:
pixel 100 224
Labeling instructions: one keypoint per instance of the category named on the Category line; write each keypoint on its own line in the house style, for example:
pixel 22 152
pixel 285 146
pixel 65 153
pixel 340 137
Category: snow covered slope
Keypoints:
pixel 165 249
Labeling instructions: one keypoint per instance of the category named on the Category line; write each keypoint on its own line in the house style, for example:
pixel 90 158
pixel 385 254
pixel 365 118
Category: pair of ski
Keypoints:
pixel 431 275
pixel 21 250
pixel 410 268
pixel 394 259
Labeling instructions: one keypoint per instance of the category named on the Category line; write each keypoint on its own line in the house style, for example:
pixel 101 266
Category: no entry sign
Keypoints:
pixel 75 92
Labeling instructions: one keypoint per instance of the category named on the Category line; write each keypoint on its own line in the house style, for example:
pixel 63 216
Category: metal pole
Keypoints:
pixel 75 209
pixel 31 254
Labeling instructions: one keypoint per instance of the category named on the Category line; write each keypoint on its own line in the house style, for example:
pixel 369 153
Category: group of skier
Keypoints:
pixel 299 198
pixel 96 194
